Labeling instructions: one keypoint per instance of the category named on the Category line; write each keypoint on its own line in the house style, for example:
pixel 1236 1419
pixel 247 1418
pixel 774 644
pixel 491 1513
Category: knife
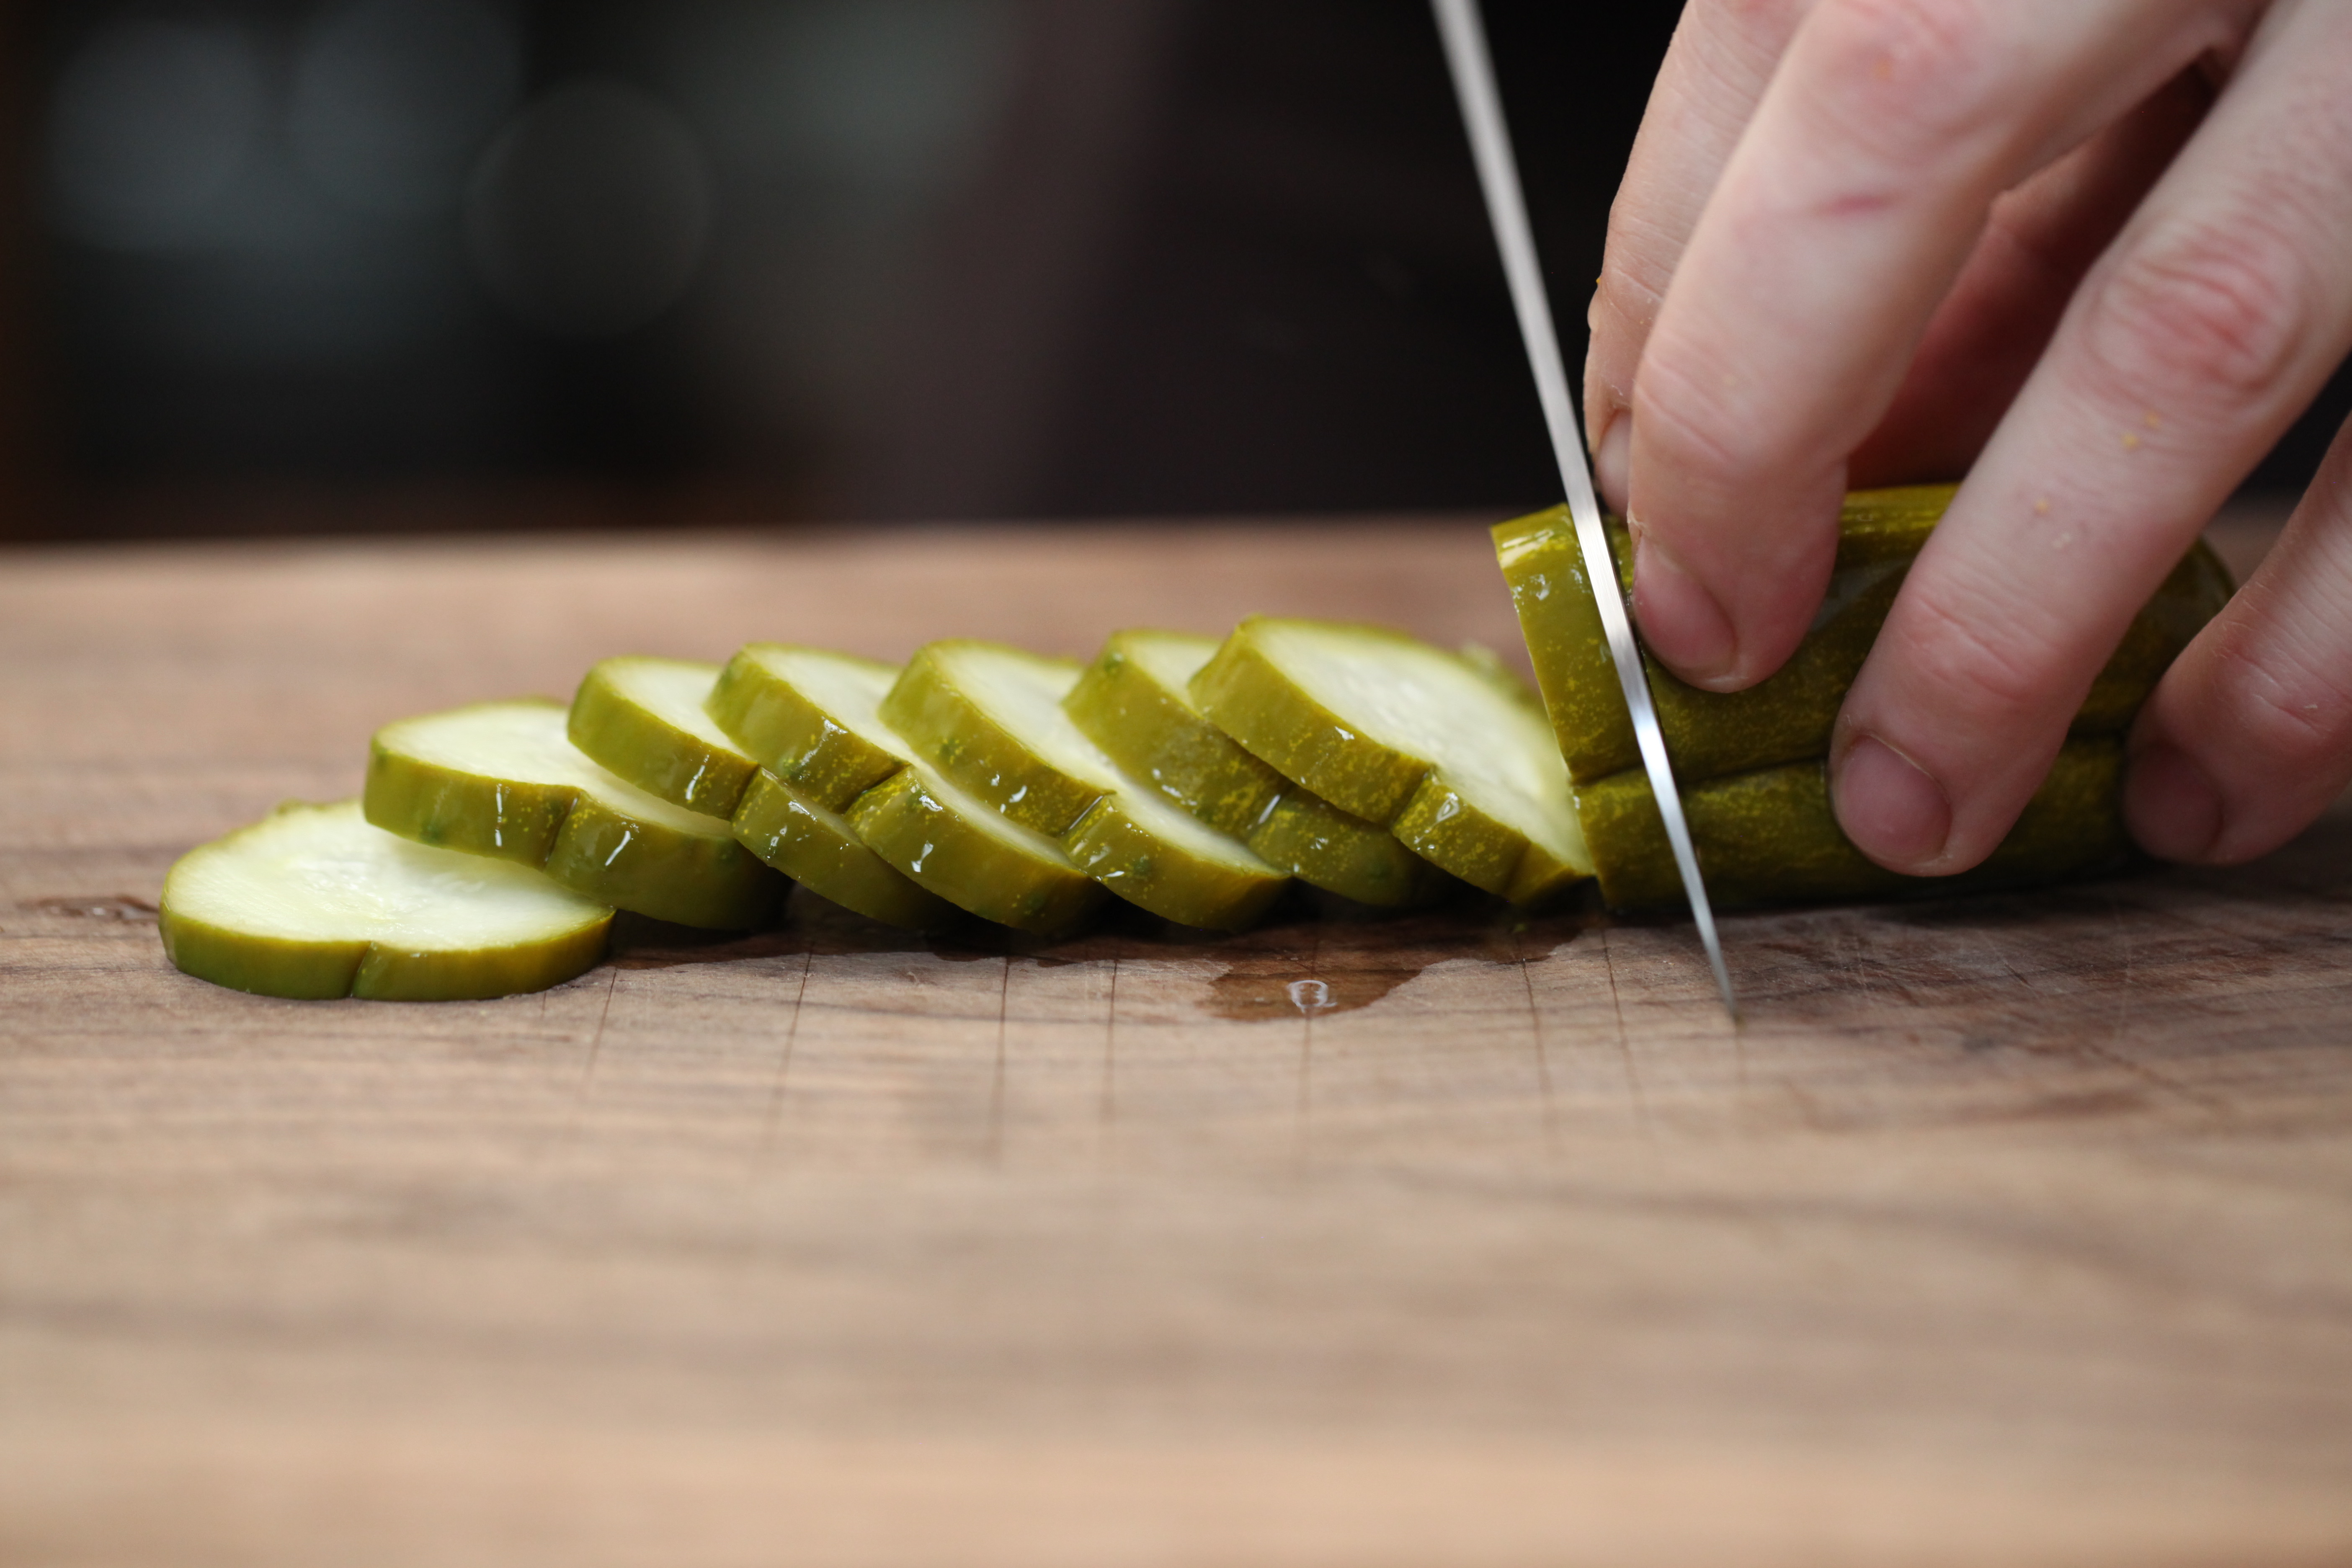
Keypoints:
pixel 1507 208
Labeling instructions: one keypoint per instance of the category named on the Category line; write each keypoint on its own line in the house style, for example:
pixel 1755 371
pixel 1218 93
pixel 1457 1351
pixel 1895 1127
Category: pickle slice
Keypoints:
pixel 643 719
pixel 1135 702
pixel 500 779
pixel 1788 716
pixel 817 848
pixel 1772 835
pixel 837 807
pixel 312 901
pixel 810 717
pixel 1389 729
pixel 648 719
pixel 992 719
pixel 971 708
pixel 974 856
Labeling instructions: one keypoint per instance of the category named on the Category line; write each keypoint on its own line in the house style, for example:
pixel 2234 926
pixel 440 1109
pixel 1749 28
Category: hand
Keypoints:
pixel 2100 250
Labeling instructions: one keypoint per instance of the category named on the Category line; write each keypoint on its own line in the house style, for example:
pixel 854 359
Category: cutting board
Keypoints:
pixel 2006 1229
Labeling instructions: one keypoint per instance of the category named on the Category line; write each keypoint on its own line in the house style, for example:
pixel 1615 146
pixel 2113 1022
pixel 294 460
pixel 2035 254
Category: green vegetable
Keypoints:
pixel 842 803
pixel 1786 717
pixel 1750 764
pixel 1771 834
pixel 500 779
pixel 1384 726
pixel 644 719
pixel 1135 702
pixel 991 719
pixel 314 902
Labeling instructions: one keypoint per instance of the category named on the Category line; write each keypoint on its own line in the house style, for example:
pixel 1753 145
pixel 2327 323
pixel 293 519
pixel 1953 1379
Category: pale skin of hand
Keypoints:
pixel 2095 253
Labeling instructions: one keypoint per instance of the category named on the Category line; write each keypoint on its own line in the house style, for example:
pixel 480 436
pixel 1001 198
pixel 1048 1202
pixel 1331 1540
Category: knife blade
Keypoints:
pixel 1473 69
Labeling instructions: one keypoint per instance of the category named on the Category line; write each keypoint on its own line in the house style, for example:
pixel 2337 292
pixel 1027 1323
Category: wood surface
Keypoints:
pixel 2009 1230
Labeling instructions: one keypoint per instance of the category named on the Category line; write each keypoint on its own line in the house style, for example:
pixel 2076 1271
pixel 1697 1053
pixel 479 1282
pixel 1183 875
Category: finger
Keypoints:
pixel 1714 70
pixel 2249 737
pixel 2213 319
pixel 2039 241
pixel 1841 222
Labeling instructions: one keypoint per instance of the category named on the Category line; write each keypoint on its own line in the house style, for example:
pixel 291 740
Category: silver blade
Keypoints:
pixel 1498 176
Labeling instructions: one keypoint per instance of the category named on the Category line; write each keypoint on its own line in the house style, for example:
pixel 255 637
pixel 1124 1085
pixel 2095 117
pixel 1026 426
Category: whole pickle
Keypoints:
pixel 1786 717
pixel 1751 763
pixel 1771 835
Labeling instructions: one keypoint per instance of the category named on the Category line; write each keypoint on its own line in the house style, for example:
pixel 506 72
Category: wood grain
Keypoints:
pixel 2008 1229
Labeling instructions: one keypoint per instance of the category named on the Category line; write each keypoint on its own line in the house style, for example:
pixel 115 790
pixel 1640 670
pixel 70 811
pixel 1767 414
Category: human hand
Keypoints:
pixel 2101 249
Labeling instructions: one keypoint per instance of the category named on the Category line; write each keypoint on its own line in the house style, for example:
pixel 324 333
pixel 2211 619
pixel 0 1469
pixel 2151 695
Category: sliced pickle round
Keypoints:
pixel 817 847
pixel 1385 726
pixel 809 716
pixel 1009 742
pixel 974 856
pixel 500 779
pixel 643 719
pixel 1135 702
pixel 312 901
pixel 852 827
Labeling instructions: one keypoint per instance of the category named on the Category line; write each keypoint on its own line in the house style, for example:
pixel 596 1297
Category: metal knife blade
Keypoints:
pixel 1498 176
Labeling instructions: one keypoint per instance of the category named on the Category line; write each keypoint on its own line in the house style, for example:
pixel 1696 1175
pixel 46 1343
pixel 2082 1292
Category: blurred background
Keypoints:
pixel 350 265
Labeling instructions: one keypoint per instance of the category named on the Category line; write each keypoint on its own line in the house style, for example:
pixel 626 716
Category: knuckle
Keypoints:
pixel 2283 718
pixel 1696 417
pixel 1912 72
pixel 1980 670
pixel 2209 310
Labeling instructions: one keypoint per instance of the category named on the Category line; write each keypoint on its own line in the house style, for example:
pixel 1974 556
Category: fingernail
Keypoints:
pixel 1611 456
pixel 1894 812
pixel 1680 619
pixel 2172 805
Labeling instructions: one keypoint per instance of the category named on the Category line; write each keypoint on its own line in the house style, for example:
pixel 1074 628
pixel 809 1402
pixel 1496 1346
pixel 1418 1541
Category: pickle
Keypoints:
pixel 817 847
pixel 808 715
pixel 1134 702
pixel 974 856
pixel 839 803
pixel 1749 763
pixel 969 709
pixel 499 779
pixel 1788 716
pixel 1773 834
pixel 644 719
pixel 991 719
pixel 649 721
pixel 1385 727
pixel 314 903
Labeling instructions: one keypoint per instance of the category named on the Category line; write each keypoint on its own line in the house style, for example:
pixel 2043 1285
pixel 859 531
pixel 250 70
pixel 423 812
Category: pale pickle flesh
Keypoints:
pixel 314 902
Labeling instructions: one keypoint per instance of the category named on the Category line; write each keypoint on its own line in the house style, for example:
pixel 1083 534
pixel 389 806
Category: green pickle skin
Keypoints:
pixel 624 737
pixel 1158 737
pixel 323 971
pixel 791 737
pixel 904 822
pixel 706 881
pixel 1749 763
pixel 1250 698
pixel 1770 835
pixel 815 847
pixel 956 735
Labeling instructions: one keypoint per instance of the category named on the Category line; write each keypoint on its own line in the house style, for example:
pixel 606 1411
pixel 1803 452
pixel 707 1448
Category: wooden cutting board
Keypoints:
pixel 2013 1229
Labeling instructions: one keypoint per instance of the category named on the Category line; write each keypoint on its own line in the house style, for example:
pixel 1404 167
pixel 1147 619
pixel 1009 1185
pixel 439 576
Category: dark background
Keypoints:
pixel 370 264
